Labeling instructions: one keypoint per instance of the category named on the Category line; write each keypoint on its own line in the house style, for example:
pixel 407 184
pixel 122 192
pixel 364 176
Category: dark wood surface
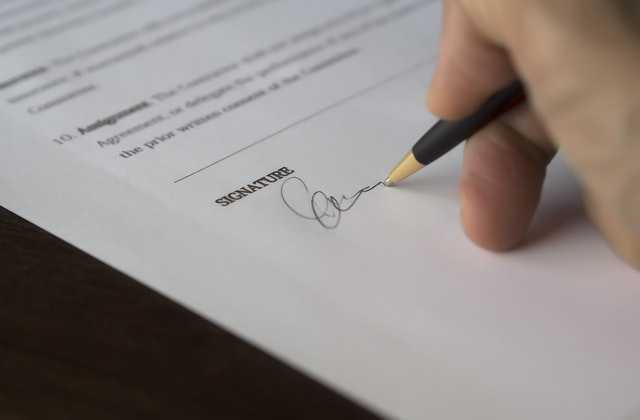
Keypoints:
pixel 79 340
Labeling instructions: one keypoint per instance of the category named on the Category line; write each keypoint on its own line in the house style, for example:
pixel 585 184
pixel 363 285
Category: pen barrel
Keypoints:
pixel 446 135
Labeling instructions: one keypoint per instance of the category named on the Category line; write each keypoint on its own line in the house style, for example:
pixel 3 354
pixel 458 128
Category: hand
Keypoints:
pixel 580 61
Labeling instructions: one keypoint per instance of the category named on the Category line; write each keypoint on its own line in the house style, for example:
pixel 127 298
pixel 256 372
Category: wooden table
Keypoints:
pixel 79 340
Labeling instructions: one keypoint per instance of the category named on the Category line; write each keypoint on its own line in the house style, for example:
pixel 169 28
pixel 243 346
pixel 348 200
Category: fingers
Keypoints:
pixel 470 68
pixel 503 171
pixel 501 183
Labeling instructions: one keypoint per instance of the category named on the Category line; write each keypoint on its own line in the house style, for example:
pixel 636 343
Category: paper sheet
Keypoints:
pixel 158 135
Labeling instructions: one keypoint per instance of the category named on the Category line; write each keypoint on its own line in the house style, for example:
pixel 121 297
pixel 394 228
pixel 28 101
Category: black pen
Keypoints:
pixel 446 135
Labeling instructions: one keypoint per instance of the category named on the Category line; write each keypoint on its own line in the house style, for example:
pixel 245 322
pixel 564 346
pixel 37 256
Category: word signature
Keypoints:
pixel 326 209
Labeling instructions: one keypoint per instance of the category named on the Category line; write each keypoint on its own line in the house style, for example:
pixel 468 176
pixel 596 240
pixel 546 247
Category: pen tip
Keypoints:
pixel 388 182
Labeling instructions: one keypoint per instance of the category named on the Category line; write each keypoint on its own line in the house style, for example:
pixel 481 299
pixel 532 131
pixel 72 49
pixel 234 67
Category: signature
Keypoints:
pixel 318 206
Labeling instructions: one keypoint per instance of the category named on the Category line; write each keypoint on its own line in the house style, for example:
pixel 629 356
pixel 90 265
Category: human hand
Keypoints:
pixel 580 61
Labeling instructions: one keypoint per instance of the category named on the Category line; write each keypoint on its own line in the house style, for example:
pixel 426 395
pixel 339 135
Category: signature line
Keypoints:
pixel 305 119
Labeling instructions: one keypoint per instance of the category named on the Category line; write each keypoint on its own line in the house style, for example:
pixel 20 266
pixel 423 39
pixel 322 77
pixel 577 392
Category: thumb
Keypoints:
pixel 470 68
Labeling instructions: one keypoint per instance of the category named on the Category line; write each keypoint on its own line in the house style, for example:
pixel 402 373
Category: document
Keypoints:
pixel 228 154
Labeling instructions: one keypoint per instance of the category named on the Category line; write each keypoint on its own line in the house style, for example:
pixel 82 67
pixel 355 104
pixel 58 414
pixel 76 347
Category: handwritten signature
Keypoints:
pixel 326 209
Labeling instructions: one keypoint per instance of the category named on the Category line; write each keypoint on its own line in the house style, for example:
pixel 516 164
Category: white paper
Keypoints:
pixel 394 307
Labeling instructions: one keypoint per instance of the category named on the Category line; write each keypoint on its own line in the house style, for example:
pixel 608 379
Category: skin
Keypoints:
pixel 580 61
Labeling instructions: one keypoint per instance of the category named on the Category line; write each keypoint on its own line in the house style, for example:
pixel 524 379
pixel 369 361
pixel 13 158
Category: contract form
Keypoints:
pixel 161 137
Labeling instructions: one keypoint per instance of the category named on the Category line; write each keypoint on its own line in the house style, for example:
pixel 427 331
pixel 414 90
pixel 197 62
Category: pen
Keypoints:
pixel 446 135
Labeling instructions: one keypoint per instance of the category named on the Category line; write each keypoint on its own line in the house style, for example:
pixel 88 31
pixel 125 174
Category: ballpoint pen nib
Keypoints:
pixel 407 167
